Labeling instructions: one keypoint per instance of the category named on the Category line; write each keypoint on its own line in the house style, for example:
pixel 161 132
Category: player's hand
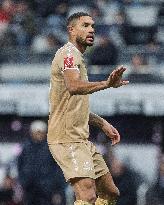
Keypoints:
pixel 111 132
pixel 115 78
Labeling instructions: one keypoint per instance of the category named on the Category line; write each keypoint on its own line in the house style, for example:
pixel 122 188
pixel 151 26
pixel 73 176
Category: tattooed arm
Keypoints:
pixel 106 127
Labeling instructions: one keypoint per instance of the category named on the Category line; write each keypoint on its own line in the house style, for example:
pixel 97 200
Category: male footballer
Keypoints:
pixel 68 127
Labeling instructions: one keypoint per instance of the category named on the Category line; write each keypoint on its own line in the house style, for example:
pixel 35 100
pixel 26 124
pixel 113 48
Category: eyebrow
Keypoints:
pixel 86 23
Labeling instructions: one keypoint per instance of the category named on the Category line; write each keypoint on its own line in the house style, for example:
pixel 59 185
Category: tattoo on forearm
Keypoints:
pixel 95 120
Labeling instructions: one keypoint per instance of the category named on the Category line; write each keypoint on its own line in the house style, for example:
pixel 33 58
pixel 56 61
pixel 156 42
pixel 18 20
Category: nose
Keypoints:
pixel 91 30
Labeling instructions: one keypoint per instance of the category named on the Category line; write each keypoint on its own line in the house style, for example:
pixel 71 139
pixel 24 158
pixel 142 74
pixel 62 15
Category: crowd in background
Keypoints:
pixel 40 26
pixel 39 180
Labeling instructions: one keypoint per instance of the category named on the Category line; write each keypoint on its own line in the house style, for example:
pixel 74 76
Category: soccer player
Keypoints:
pixel 82 165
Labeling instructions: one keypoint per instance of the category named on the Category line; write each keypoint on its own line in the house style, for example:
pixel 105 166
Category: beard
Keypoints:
pixel 83 42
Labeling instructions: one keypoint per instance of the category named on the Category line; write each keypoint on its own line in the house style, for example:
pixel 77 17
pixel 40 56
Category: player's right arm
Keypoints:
pixel 76 86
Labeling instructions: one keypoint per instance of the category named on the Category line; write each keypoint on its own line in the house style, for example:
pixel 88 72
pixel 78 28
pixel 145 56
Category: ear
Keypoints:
pixel 70 29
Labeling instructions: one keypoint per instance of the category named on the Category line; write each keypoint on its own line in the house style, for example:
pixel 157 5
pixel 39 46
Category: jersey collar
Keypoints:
pixel 75 47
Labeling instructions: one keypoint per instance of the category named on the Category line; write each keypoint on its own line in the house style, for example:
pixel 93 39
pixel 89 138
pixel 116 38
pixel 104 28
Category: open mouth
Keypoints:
pixel 91 38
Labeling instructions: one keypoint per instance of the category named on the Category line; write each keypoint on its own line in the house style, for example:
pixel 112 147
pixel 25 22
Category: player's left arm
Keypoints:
pixel 105 126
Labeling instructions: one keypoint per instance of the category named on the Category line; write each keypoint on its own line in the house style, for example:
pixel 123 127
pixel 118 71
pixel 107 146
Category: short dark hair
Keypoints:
pixel 76 16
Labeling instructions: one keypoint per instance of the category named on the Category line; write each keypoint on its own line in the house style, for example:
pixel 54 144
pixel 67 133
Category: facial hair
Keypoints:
pixel 82 41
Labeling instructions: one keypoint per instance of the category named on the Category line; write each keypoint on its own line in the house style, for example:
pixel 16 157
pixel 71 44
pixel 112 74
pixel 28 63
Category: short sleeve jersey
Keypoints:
pixel 68 114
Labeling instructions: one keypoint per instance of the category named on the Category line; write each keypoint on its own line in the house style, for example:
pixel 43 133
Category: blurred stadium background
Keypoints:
pixel 128 32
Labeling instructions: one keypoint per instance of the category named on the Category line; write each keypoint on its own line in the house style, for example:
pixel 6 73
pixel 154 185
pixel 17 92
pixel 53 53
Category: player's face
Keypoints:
pixel 84 31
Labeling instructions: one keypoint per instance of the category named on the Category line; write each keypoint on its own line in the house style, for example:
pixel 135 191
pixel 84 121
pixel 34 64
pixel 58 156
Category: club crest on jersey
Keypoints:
pixel 68 62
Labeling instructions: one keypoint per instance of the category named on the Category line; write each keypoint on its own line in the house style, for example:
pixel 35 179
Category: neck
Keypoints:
pixel 79 46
